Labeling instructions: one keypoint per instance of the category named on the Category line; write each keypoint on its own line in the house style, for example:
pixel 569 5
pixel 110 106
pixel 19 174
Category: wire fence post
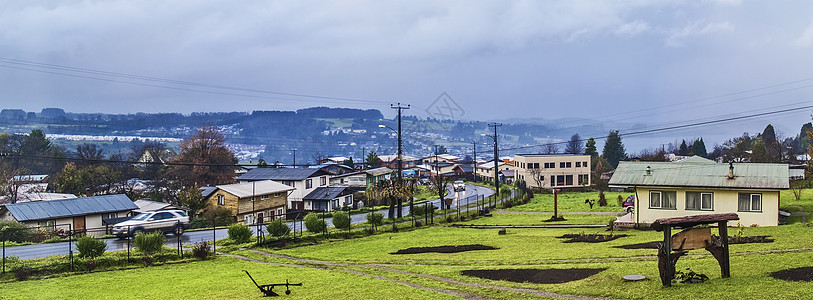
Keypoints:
pixel 129 237
pixel 214 235
pixel 178 231
pixel 70 246
pixel 4 255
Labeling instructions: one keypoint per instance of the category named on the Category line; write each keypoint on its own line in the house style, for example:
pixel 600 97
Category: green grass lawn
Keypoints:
pixel 572 201
pixel 221 278
pixel 751 265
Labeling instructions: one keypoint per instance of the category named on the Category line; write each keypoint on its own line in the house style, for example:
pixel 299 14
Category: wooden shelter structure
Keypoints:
pixel 692 238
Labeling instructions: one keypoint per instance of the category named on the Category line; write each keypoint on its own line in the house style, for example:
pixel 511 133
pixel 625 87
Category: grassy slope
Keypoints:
pixel 221 278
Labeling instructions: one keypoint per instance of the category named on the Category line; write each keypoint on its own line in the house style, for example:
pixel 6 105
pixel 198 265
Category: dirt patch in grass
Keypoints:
pixel 797 274
pixel 444 249
pixel 731 240
pixel 534 275
pixel 589 238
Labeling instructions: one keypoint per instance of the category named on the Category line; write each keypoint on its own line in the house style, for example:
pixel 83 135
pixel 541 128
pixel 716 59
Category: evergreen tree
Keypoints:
pixel 590 147
pixel 683 150
pixel 772 145
pixel 804 138
pixel 574 146
pixel 372 160
pixel 699 148
pixel 614 149
pixel 261 163
pixel 349 163
pixel 759 152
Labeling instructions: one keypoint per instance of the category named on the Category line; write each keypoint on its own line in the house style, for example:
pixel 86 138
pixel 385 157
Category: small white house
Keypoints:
pixel 80 215
pixel 696 186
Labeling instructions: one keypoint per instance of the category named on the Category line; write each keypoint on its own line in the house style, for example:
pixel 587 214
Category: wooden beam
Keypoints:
pixel 725 267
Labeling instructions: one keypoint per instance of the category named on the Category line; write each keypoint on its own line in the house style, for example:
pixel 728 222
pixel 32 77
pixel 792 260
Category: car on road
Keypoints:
pixel 174 221
pixel 459 185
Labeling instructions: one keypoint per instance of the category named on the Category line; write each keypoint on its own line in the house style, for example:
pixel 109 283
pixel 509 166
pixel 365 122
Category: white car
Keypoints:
pixel 175 221
pixel 459 185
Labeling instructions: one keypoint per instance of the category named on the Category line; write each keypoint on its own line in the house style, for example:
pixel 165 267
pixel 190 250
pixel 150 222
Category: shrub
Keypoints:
pixel 375 219
pixel 22 272
pixel 90 247
pixel 200 223
pixel 14 231
pixel 341 220
pixel 602 200
pixel 278 228
pixel 221 215
pixel 314 223
pixel 149 243
pixel 239 233
pixel 148 260
pixel 201 250
pixel 91 265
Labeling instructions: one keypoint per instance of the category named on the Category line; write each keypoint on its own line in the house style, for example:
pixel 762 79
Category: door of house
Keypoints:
pixel 79 225
pixel 260 218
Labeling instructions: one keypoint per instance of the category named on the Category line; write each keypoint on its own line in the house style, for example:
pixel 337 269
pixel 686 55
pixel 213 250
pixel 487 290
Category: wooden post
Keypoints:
pixel 555 204
pixel 667 247
pixel 724 266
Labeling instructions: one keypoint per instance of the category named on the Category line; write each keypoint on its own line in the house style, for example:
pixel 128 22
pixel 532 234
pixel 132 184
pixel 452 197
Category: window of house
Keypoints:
pixel 568 165
pixel 279 211
pixel 750 202
pixel 335 203
pixel 288 183
pixel 550 165
pixel 277 194
pixel 348 200
pixel 583 178
pixel 699 201
pixel 263 197
pixel 584 164
pixel 662 199
pixel 552 180
pixel 309 183
pixel 221 200
pixel 568 179
pixel 578 164
pixel 562 164
pixel 323 181
pixel 560 180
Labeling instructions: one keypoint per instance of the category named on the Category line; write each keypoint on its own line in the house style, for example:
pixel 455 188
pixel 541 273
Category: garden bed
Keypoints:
pixel 590 238
pixel 797 274
pixel 444 249
pixel 544 276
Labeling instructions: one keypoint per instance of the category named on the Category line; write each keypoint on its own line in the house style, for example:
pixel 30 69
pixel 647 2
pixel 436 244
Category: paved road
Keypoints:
pixel 192 237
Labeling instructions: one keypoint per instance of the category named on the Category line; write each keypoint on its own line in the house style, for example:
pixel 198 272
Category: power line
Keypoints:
pixel 44 68
pixel 681 126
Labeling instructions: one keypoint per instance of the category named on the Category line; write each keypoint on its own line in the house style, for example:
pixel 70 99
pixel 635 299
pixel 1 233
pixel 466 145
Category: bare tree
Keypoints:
pixel 441 183
pixel 797 187
pixel 550 147
pixel 652 155
pixel 536 175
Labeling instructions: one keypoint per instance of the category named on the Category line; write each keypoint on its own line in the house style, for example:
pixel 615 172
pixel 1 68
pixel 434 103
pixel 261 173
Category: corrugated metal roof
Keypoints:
pixel 257 188
pixel 326 193
pixel 696 173
pixel 378 171
pixel 43 210
pixel 281 174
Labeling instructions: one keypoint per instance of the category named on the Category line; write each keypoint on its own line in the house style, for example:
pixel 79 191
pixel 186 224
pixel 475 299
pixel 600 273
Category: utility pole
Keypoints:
pixel 474 143
pixel 399 162
pixel 294 150
pixel 496 158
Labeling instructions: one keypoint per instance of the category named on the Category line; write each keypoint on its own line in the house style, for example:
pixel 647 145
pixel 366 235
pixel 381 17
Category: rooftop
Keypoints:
pixel 45 210
pixel 280 174
pixel 327 193
pixel 699 173
pixel 255 188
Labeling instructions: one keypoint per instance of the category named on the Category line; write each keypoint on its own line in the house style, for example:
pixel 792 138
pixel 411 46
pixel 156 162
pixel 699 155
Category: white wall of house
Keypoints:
pixel 301 189
pixel 93 223
pixel 561 171
pixel 723 201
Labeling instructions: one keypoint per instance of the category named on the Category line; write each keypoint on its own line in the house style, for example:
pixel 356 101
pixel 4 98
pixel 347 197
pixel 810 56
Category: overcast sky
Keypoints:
pixel 654 63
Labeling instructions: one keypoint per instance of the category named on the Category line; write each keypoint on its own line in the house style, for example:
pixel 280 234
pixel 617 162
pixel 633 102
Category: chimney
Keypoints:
pixel 648 170
pixel 730 170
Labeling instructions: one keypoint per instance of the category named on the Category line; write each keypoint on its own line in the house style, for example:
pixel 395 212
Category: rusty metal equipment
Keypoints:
pixel 268 289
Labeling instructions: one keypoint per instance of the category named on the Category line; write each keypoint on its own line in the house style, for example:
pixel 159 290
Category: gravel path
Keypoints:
pixel 608 213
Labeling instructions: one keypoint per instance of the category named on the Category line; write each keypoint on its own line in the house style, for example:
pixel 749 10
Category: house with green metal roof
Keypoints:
pixel 696 186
